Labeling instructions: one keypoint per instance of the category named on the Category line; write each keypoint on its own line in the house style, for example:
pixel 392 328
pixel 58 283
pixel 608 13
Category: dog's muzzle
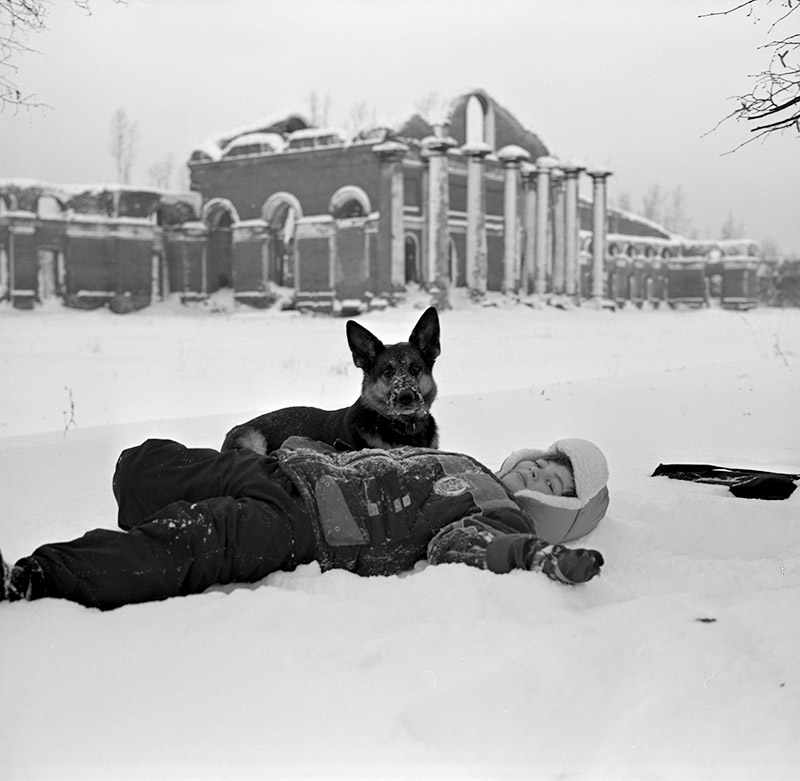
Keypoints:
pixel 406 399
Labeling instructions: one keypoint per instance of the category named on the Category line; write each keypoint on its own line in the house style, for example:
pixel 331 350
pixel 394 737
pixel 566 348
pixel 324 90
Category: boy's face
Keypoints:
pixel 540 475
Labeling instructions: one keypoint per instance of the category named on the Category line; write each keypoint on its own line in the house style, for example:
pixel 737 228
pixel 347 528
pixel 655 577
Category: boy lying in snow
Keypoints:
pixel 198 517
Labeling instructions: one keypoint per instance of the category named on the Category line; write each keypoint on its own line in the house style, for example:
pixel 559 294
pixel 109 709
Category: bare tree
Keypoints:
pixel 359 115
pixel 653 204
pixel 318 110
pixel 313 109
pixel 124 139
pixel 675 217
pixel 623 202
pixel 773 101
pixel 733 228
pixel 431 107
pixel 19 19
pixel 160 173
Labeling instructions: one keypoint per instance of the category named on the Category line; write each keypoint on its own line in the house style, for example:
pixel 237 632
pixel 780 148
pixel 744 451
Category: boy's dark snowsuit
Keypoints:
pixel 199 517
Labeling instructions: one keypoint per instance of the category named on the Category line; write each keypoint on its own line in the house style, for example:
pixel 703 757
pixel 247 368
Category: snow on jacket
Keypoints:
pixel 376 511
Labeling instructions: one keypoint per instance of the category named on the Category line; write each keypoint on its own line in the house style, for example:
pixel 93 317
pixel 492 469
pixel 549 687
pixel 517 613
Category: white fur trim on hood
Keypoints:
pixel 565 518
pixel 589 467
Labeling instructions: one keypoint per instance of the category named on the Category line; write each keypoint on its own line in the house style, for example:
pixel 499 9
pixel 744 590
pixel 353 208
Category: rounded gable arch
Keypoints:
pixel 347 196
pixel 216 209
pixel 479 119
pixel 274 207
pixel 49 204
pixel 8 202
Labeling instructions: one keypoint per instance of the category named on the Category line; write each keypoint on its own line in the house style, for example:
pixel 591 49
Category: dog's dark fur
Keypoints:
pixel 393 410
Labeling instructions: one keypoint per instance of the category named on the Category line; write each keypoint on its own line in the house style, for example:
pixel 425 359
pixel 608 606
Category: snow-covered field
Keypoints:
pixel 681 661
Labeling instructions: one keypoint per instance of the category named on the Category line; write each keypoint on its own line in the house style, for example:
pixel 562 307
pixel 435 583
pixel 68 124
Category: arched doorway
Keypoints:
pixel 281 212
pixel 50 273
pixel 412 259
pixel 350 208
pixel 220 216
pixel 453 261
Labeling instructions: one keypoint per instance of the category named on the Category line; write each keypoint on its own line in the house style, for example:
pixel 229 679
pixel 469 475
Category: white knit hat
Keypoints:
pixel 562 518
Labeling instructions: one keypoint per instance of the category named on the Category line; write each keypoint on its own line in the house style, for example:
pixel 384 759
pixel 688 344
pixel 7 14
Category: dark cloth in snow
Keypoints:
pixel 743 483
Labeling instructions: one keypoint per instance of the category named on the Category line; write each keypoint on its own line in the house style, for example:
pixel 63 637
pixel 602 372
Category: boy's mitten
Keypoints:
pixel 573 565
pixel 525 551
pixel 460 543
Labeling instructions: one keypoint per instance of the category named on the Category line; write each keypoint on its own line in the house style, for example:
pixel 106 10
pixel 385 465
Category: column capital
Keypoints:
pixel 437 145
pixel 476 150
pixel 572 168
pixel 546 163
pixel 599 172
pixel 528 173
pixel 513 155
pixel 390 151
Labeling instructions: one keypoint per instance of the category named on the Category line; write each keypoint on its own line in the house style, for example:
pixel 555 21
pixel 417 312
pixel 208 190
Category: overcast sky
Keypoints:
pixel 632 85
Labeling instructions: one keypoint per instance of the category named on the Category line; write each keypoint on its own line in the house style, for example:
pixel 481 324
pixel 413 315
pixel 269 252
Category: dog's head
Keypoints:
pixel 398 378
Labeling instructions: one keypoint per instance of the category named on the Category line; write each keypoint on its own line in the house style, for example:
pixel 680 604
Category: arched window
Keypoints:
pixel 348 202
pixel 219 213
pixel 476 121
pixel 412 258
pixel 281 212
pixel 8 202
pixel 48 206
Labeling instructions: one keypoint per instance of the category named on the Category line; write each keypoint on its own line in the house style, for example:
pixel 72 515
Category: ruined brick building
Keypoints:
pixel 471 199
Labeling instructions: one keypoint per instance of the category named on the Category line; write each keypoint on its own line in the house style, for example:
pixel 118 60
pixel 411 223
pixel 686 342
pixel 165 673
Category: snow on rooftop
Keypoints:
pixel 52 188
pixel 273 140
pixel 212 146
pixel 317 132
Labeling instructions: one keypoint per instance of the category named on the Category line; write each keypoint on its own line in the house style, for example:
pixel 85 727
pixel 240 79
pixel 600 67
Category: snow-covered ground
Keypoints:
pixel 681 661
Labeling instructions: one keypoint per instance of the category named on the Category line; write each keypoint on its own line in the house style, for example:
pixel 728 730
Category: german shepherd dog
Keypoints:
pixel 393 410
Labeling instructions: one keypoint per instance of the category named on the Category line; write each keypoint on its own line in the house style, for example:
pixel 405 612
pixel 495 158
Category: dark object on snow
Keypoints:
pixel 392 411
pixel 744 483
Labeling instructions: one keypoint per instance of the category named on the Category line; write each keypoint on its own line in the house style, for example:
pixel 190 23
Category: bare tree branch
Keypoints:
pixel 776 89
pixel 124 140
pixel 19 20
pixel 729 10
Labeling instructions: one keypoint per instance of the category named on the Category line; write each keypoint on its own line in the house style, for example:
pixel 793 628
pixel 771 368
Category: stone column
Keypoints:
pixel 559 249
pixel 391 201
pixel 424 188
pixel 476 218
pixel 512 157
pixel 436 148
pixel 528 172
pixel 571 227
pixel 599 176
pixel 543 167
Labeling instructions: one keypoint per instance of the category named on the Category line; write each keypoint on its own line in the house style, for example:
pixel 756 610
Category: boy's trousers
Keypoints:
pixel 194 518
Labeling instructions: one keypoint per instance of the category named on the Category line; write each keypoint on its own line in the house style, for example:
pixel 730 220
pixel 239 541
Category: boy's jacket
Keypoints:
pixel 375 511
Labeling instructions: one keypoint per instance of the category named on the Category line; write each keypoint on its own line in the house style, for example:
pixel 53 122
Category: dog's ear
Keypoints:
pixel 364 345
pixel 425 336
